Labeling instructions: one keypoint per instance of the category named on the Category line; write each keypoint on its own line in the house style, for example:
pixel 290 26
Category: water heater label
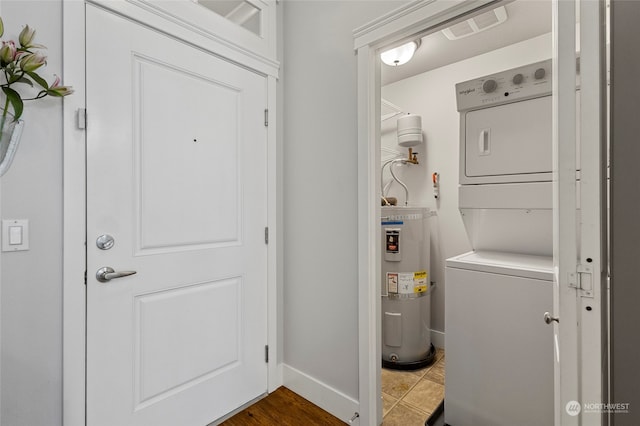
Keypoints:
pixel 392 245
pixel 393 240
pixel 407 282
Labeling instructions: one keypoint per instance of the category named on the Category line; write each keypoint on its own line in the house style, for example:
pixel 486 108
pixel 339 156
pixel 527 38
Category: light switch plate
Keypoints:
pixel 22 226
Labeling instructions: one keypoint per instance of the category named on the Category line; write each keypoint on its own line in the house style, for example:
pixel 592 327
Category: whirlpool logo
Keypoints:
pixel 573 408
pixel 467 91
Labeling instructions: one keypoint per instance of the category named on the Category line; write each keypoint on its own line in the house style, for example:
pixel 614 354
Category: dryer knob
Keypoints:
pixel 540 73
pixel 489 86
pixel 517 79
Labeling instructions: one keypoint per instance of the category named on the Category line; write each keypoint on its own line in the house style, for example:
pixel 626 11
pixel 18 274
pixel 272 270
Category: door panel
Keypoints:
pixel 166 319
pixel 176 174
pixel 188 156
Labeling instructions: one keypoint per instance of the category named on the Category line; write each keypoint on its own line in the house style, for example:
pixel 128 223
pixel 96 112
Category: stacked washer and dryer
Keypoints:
pixel 499 351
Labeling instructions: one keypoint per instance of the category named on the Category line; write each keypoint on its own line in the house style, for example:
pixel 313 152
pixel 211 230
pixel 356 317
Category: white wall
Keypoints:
pixel 432 95
pixel 31 283
pixel 320 191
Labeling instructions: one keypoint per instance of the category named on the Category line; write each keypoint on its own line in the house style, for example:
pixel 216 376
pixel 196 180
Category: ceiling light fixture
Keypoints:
pixel 401 54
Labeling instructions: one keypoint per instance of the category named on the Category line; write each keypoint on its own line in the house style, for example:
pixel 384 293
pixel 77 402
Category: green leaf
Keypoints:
pixel 25 80
pixel 1 28
pixel 15 100
pixel 41 81
pixel 14 78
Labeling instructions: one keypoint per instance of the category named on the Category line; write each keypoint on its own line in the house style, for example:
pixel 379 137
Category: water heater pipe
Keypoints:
pixel 383 188
pixel 393 175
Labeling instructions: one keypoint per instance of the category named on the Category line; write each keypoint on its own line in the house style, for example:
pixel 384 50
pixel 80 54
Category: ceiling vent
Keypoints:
pixel 476 24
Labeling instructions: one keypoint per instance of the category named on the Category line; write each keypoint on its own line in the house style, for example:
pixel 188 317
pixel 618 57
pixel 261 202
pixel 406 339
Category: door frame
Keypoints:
pixel 74 187
pixel 398 27
pixel 580 213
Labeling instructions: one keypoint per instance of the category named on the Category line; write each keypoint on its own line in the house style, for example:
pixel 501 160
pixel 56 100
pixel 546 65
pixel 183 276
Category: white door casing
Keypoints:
pixel 176 173
pixel 582 370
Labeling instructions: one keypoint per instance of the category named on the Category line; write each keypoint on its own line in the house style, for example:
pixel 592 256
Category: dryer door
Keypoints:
pixel 511 139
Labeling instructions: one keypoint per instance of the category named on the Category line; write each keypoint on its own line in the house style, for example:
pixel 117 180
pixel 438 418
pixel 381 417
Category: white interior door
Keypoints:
pixel 176 174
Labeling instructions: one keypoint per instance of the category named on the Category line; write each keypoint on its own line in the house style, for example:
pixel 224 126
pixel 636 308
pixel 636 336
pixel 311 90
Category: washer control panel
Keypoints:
pixel 529 81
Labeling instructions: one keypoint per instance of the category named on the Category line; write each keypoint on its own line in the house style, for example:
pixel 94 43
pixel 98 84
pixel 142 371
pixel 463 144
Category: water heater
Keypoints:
pixel 406 333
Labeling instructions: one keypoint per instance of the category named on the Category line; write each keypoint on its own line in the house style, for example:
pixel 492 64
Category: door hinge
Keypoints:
pixel 266 235
pixel 85 277
pixel 266 118
pixel 266 353
pixel 82 118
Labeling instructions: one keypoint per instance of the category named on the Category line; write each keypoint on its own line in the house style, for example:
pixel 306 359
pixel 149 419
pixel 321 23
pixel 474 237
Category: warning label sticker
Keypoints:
pixel 392 282
pixel 420 283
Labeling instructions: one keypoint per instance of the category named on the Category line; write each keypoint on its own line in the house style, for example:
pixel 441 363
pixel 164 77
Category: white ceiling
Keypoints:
pixel 526 19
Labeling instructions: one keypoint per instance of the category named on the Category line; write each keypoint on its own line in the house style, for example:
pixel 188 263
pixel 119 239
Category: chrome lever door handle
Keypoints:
pixel 548 318
pixel 107 273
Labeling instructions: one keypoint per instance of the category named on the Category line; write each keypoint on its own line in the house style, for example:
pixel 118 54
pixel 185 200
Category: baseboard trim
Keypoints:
pixel 320 394
pixel 437 338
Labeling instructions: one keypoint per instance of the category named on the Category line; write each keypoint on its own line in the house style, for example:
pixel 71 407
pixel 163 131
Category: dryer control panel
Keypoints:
pixel 517 84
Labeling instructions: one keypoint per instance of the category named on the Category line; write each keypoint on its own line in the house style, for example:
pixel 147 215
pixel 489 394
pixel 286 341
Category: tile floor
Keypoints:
pixel 409 397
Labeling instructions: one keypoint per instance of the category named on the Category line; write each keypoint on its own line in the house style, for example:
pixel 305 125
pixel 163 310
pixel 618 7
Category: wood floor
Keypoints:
pixel 283 408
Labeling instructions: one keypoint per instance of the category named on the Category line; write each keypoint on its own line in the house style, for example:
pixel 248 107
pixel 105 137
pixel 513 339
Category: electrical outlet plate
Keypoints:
pixel 15 235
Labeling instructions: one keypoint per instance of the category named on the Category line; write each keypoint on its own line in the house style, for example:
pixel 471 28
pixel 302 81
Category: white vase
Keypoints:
pixel 9 140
